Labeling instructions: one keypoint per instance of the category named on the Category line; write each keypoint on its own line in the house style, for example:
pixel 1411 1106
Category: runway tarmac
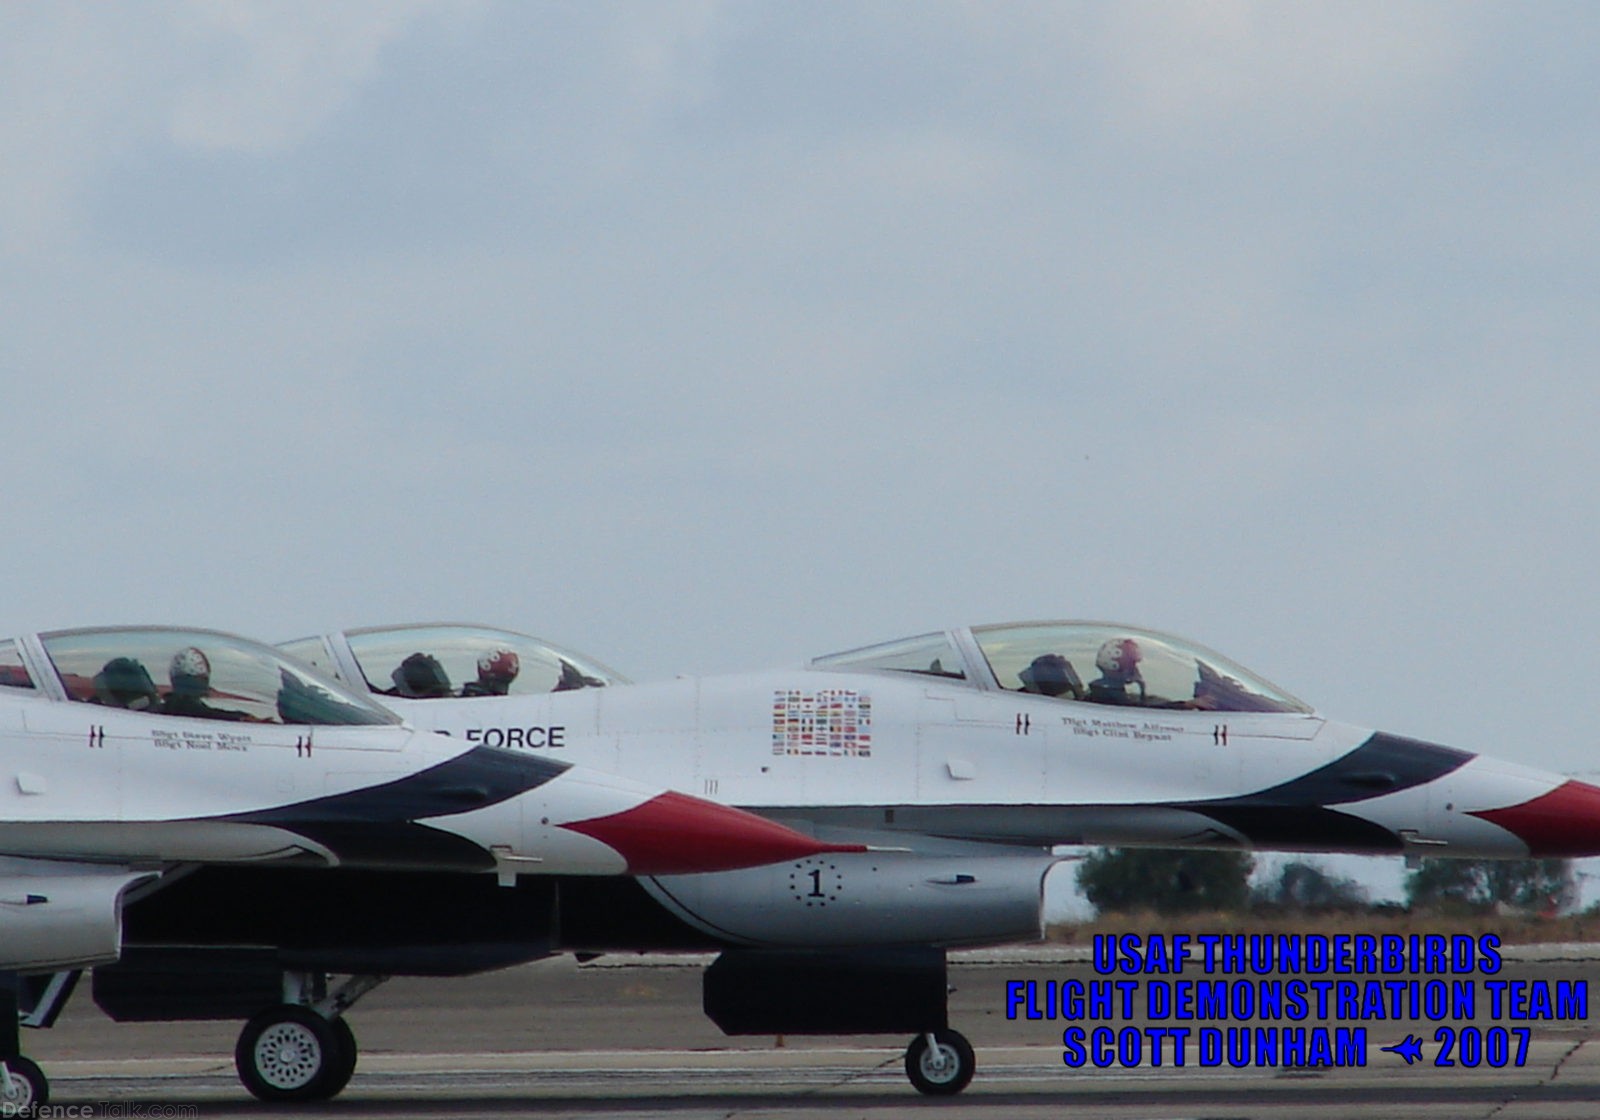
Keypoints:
pixel 624 1037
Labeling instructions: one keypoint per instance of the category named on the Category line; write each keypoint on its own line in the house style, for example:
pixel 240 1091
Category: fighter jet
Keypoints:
pixel 974 750
pixel 135 757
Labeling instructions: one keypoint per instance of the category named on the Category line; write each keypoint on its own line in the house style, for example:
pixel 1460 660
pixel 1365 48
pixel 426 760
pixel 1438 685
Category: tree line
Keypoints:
pixel 1181 881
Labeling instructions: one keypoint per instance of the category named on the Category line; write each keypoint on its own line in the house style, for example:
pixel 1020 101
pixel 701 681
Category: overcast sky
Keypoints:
pixel 709 335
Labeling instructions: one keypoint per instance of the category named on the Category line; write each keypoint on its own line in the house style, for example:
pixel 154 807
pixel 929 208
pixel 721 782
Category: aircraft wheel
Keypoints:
pixel 339 1073
pixel 25 1089
pixel 291 1053
pixel 944 1068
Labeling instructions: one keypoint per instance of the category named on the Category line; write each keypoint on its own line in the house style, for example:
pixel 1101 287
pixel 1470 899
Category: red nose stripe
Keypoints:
pixel 1563 822
pixel 672 834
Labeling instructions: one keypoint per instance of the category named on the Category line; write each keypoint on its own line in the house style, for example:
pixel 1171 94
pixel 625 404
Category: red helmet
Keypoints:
pixel 1119 659
pixel 499 665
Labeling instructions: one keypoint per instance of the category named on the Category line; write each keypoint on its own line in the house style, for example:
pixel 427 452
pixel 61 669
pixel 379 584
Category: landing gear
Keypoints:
pixel 340 1075
pixel 290 1053
pixel 940 1063
pixel 303 1050
pixel 846 991
pixel 23 1087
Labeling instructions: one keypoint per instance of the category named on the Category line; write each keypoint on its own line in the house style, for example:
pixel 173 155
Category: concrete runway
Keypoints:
pixel 624 1037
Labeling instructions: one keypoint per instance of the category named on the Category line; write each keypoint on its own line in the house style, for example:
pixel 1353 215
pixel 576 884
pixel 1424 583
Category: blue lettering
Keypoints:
pixel 1016 992
pixel 1158 999
pixel 1072 1047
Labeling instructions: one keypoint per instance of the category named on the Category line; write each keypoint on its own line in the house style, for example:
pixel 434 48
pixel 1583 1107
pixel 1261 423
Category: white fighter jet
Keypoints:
pixel 134 757
pixel 974 751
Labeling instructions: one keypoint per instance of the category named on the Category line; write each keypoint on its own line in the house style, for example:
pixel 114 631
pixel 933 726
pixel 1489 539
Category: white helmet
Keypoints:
pixel 190 662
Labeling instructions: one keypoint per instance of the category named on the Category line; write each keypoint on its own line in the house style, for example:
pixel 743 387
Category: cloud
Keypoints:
pixel 1203 69
pixel 266 75
pixel 88 85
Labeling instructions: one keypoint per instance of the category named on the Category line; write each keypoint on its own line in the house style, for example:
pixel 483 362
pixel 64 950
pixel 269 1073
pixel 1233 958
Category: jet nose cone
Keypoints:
pixel 673 834
pixel 1564 822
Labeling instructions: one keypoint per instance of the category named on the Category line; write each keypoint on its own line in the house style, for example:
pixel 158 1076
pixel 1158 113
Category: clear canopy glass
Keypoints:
pixel 1093 662
pixel 1106 663
pixel 202 675
pixel 314 652
pixel 13 673
pixel 426 662
pixel 929 654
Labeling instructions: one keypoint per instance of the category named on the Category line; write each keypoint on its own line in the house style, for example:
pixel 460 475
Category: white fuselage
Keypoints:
pixel 884 752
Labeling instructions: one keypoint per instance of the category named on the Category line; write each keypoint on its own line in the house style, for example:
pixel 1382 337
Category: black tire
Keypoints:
pixel 29 1088
pixel 942 1071
pixel 290 1053
pixel 339 1073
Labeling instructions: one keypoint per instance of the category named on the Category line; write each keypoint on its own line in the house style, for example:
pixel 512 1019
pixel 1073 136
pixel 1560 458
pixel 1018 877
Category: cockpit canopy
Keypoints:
pixel 451 660
pixel 1093 662
pixel 13 671
pixel 200 674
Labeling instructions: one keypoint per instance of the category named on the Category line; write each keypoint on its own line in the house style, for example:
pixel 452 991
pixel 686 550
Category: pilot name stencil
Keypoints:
pixel 1121 729
pixel 186 739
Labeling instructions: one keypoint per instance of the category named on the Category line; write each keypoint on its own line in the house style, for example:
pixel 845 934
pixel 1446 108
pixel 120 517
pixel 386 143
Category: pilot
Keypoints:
pixel 496 670
pixel 1050 674
pixel 190 673
pixel 1118 662
pixel 124 683
pixel 420 677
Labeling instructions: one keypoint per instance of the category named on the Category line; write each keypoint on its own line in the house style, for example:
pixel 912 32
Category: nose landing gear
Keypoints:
pixel 940 1063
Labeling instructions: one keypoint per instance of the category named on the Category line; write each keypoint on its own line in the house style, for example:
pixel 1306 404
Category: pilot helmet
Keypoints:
pixel 501 665
pixel 190 672
pixel 1052 675
pixel 420 676
pixel 1118 660
pixel 124 683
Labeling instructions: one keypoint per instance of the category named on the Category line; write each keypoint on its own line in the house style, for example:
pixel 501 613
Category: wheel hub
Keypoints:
pixel 288 1056
pixel 16 1092
pixel 938 1063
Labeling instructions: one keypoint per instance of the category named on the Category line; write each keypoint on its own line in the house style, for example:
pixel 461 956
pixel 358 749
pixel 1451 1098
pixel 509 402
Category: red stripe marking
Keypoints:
pixel 1563 822
pixel 673 834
